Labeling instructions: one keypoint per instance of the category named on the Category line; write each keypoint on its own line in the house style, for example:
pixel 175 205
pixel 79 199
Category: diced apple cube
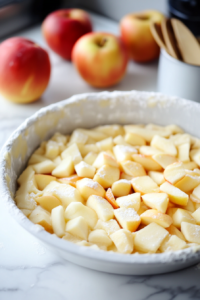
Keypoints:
pixel 26 175
pixel 28 186
pixel 158 177
pixel 78 137
pixel 149 239
pixel 146 133
pixel 149 151
pixel 125 176
pixel 60 138
pixel 71 238
pixel 181 215
pixel 85 170
pixel 196 216
pixel 127 218
pixel 147 162
pixel 153 215
pixel 144 185
pixel 57 160
pixel 101 206
pixel 110 226
pixel 105 159
pixel 99 236
pixel 48 201
pixel 65 168
pixel 196 192
pixel 88 187
pixel 73 152
pixel 110 130
pixel 106 144
pixel 123 153
pixel 45 167
pixel 58 220
pixel 26 212
pixel 172 243
pixel 76 209
pixel 190 206
pixel 95 134
pixel 183 152
pixel 111 199
pixel 84 150
pixel 78 227
pixel 164 145
pixel 26 201
pixel 134 139
pixel 191 165
pixel 195 156
pixel 36 158
pixel 90 158
pixel 107 175
pixel 175 195
pixel 191 232
pixel 133 169
pixel 130 201
pixel 121 188
pixel 43 180
pixel 174 172
pixel 52 149
pixel 42 217
pixel 188 183
pixel 157 201
pixel 123 240
pixel 174 129
pixel 119 140
pixel 164 159
pixel 175 231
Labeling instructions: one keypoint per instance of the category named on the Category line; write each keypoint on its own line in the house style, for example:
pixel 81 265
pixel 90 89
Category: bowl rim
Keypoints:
pixel 86 252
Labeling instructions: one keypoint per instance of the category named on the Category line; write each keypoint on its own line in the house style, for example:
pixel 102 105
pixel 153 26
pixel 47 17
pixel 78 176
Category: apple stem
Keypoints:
pixel 102 42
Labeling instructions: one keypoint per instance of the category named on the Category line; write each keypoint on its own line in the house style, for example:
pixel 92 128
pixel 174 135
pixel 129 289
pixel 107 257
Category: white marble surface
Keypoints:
pixel 28 270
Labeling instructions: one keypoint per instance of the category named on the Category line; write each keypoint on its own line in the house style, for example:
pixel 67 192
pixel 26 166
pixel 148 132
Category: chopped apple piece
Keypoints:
pixel 43 180
pixel 175 231
pixel 179 139
pixel 57 160
pixel 85 170
pixel 111 199
pixel 188 183
pixel 158 177
pixel 58 220
pixel 174 172
pixel 94 134
pixel 78 227
pixel 147 134
pixel 196 193
pixel 196 216
pixel 174 129
pixel 172 243
pixel 119 140
pixel 77 209
pixel 164 159
pixel 71 238
pixel 127 218
pixel 52 149
pixel 190 206
pixel 41 217
pixel 123 240
pixel 191 165
pixel 110 226
pixel 181 215
pixel 26 201
pixel 84 150
pixel 99 237
pixel 106 144
pixel 107 175
pixel 60 138
pixel 183 152
pixel 90 158
pixel 123 153
pixel 149 239
pixel 65 168
pixel 134 139
pixel 195 156
pixel 133 169
pixel 191 232
pixel 48 201
pixel 26 175
pixel 105 159
pixel 149 151
pixel 28 186
pixel 147 162
pixel 36 158
pixel 78 137
pixel 152 215
pixel 164 145
pixel 121 188
pixel 110 130
pixel 101 206
pixel 157 201
pixel 26 212
pixel 130 201
pixel 144 185
pixel 45 167
pixel 125 176
pixel 73 152
pixel 175 195
pixel 88 187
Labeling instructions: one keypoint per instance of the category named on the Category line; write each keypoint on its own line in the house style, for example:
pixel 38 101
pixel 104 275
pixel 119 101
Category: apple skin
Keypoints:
pixel 63 28
pixel 24 70
pixel 100 58
pixel 137 36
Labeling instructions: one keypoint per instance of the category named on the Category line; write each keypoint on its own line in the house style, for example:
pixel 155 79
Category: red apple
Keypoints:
pixel 24 70
pixel 63 28
pixel 100 58
pixel 136 35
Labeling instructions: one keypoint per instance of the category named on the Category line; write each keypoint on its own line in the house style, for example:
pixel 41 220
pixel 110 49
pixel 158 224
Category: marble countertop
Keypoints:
pixel 28 271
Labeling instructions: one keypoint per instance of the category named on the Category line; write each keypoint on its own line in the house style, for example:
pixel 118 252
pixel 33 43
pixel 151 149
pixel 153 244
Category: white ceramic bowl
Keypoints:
pixel 178 78
pixel 89 110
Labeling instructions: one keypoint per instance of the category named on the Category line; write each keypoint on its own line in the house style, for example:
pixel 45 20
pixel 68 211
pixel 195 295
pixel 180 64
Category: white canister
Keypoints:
pixel 177 78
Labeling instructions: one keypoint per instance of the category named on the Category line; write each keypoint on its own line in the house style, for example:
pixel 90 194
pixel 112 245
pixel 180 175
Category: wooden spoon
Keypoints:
pixel 158 36
pixel 169 39
pixel 187 43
